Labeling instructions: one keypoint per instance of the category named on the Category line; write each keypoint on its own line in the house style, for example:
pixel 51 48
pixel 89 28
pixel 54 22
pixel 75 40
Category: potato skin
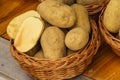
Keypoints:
pixel 57 13
pixel 52 43
pixel 111 16
pixel 76 38
pixel 82 18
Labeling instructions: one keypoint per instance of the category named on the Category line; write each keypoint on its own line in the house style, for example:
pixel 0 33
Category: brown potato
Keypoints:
pixel 57 13
pixel 82 18
pixel 52 43
pixel 76 38
pixel 112 16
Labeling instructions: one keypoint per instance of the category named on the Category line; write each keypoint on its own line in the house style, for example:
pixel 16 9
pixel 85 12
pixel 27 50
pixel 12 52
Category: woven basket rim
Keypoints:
pixel 96 3
pixel 96 7
pixel 80 59
pixel 109 38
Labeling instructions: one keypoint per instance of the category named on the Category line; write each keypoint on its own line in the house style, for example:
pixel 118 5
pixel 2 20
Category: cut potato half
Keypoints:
pixel 14 25
pixel 28 34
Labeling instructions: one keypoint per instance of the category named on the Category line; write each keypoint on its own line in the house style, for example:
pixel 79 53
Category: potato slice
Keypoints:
pixel 14 25
pixel 28 34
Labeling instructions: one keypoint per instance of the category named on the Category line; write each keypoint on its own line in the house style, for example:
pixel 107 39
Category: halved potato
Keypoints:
pixel 28 34
pixel 15 24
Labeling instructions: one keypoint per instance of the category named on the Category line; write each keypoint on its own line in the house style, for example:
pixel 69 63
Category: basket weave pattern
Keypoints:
pixel 62 68
pixel 94 8
pixel 108 37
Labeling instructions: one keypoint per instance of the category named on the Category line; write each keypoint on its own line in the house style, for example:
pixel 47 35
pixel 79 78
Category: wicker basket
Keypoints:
pixel 62 68
pixel 108 37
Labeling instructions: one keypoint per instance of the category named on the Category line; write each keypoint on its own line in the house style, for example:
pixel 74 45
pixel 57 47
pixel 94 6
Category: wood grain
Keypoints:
pixel 12 8
pixel 105 65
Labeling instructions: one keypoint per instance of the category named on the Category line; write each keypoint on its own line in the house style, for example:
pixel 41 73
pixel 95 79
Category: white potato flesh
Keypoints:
pixel 15 24
pixel 28 34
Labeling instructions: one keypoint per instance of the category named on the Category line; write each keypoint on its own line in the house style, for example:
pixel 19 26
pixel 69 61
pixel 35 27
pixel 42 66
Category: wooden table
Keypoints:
pixel 105 65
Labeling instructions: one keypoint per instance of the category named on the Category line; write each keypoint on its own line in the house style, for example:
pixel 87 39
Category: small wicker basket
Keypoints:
pixel 108 37
pixel 62 68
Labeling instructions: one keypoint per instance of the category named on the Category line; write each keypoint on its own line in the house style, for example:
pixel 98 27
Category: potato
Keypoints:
pixel 76 38
pixel 15 24
pixel 28 34
pixel 112 16
pixel 57 13
pixel 52 43
pixel 85 2
pixel 39 54
pixel 82 17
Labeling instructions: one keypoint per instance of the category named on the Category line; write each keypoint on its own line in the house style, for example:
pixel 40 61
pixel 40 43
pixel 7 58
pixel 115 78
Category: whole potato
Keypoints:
pixel 76 38
pixel 82 18
pixel 112 16
pixel 85 2
pixel 52 43
pixel 57 13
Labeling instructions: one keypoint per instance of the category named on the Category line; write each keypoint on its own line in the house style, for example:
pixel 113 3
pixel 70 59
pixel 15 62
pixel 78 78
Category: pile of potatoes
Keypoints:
pixel 111 18
pixel 56 29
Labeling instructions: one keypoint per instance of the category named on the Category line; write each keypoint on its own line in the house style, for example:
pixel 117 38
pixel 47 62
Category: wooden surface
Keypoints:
pixel 105 65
